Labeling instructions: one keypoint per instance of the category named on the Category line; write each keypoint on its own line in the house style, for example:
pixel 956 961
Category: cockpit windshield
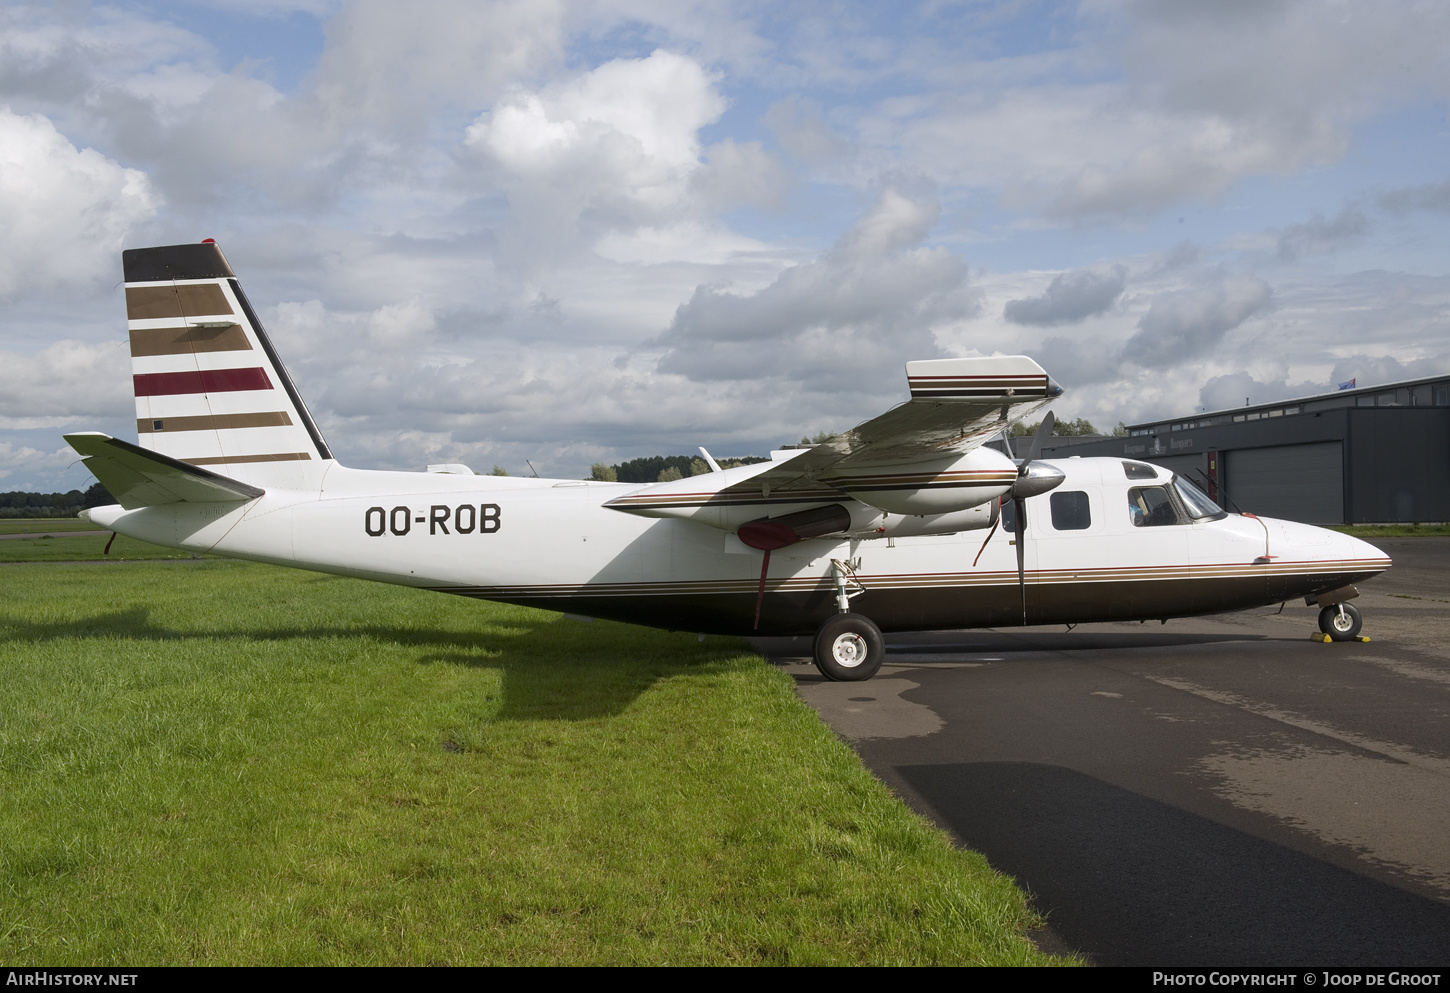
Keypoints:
pixel 1196 502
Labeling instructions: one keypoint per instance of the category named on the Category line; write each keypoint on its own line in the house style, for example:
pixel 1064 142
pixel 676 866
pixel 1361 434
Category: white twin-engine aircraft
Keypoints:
pixel 905 522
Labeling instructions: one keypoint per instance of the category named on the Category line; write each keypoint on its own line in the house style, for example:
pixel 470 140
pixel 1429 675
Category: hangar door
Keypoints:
pixel 1296 482
pixel 1185 465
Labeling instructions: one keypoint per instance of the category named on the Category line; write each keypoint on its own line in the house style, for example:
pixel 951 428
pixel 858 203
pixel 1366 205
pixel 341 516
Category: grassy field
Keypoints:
pixel 31 525
pixel 43 548
pixel 225 763
pixel 90 548
pixel 1371 531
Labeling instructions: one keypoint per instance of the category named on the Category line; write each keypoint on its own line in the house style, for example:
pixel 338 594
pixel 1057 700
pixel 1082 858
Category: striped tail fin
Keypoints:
pixel 210 389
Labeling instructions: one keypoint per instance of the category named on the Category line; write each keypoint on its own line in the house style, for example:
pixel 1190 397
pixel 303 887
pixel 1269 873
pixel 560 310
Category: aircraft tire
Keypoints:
pixel 1340 627
pixel 849 648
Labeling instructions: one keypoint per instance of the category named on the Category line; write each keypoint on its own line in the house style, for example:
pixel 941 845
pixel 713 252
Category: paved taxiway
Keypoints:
pixel 1214 791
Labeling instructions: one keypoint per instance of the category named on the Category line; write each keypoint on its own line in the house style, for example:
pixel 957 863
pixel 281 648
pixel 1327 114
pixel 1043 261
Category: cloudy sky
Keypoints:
pixel 573 232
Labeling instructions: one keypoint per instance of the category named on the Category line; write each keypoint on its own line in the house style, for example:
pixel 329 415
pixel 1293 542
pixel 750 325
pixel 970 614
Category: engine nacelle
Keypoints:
pixel 971 519
pixel 943 486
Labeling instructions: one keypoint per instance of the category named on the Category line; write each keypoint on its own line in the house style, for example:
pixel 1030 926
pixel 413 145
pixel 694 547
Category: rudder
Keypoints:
pixel 210 389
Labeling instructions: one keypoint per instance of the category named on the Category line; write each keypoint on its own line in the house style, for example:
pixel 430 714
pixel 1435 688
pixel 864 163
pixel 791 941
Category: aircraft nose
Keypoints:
pixel 1290 541
pixel 1315 544
pixel 1348 548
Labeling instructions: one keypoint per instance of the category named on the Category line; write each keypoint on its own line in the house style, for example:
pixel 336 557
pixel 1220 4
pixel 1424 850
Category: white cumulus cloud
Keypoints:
pixel 616 147
pixel 64 211
pixel 68 380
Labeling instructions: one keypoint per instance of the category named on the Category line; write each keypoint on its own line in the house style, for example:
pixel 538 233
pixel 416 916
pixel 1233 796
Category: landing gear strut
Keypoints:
pixel 1340 621
pixel 849 648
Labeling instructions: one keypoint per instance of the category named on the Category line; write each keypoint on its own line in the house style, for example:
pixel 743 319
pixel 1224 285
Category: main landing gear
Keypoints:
pixel 1340 621
pixel 849 647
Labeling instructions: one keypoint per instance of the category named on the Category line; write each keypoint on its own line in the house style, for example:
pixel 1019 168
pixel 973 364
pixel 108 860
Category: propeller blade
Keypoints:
pixel 1019 524
pixel 1019 502
pixel 1044 430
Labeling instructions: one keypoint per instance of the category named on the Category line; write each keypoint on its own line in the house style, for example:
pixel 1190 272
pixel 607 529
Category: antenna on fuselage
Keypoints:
pixel 1210 485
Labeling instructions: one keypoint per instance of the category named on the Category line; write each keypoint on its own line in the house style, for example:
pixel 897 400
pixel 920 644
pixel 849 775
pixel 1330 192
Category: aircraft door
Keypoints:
pixel 1150 575
pixel 1073 544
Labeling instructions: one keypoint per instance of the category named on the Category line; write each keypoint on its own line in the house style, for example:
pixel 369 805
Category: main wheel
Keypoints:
pixel 849 648
pixel 1340 621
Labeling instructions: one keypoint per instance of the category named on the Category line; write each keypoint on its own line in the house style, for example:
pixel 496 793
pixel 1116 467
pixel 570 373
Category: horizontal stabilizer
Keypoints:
pixel 140 478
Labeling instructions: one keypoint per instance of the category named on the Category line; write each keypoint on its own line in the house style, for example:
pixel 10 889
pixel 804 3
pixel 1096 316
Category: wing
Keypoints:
pixel 139 478
pixel 911 459
pixel 955 406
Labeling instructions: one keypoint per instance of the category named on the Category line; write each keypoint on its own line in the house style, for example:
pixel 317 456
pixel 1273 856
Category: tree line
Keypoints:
pixel 19 503
pixel 663 468
pixel 1067 429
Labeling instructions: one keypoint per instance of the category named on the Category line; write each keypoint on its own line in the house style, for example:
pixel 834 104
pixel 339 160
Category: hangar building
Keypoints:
pixel 1374 455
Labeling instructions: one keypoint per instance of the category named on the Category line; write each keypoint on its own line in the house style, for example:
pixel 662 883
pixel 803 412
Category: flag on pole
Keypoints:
pixel 1349 385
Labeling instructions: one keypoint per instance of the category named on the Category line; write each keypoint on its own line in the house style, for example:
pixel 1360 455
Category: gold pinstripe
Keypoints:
pixel 929 580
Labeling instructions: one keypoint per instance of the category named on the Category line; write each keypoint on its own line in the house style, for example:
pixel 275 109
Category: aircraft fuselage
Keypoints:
pixel 552 544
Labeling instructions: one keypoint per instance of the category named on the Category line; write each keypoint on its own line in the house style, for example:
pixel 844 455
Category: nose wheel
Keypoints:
pixel 849 648
pixel 1340 621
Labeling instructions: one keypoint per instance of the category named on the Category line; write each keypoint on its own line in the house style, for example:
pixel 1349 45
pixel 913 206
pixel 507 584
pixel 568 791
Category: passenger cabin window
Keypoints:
pixel 1150 507
pixel 1070 511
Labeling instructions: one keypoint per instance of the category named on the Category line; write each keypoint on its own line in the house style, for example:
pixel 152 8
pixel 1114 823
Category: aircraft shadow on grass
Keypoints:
pixel 549 670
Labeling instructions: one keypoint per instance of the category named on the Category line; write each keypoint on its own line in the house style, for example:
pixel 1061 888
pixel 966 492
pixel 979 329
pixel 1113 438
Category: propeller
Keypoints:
pixel 1030 484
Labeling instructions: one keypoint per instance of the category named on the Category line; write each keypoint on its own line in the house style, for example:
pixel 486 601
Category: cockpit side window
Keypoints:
pixel 1151 507
pixel 1197 502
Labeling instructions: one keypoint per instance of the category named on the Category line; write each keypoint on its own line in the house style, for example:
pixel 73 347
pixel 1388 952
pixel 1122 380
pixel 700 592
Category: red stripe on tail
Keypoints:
pixel 153 384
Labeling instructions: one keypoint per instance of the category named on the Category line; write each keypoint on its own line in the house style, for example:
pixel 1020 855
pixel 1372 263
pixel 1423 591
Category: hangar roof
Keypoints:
pixel 1432 391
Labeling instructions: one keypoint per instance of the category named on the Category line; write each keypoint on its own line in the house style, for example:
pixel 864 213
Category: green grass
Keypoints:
pixel 225 763
pixel 31 525
pixel 87 549
pixel 1368 531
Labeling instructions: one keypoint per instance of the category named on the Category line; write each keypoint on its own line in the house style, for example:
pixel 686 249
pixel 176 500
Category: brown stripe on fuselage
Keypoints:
pixel 801 610
pixel 213 422
pixel 235 459
pixel 184 341
pixel 1144 576
pixel 145 303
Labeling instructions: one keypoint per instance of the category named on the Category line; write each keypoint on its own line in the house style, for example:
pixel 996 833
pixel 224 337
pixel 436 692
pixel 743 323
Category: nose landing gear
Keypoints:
pixel 1340 621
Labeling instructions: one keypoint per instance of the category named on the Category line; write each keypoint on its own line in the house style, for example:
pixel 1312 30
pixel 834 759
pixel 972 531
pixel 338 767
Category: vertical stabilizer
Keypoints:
pixel 210 389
